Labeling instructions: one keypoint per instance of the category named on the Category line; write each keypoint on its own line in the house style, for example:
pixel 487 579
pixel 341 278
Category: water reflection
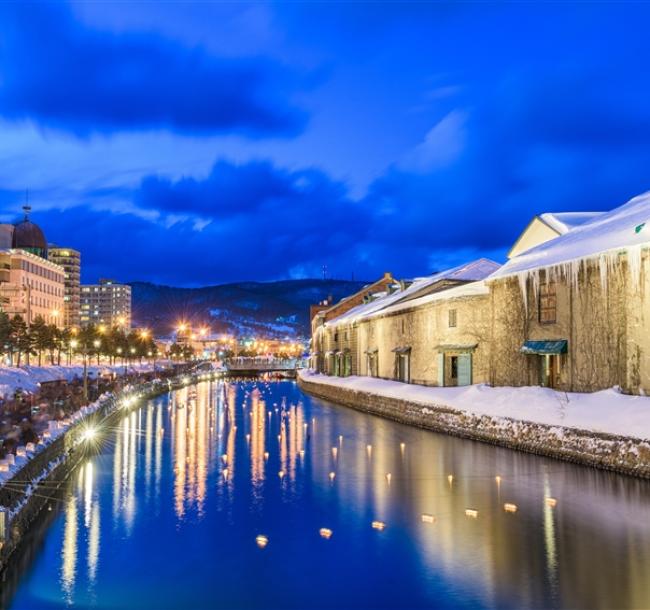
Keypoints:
pixel 199 470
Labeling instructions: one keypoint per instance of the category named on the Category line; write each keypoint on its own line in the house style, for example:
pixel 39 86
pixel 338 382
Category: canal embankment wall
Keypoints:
pixel 617 453
pixel 38 480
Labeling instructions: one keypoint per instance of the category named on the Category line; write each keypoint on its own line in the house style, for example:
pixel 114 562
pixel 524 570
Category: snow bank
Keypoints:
pixel 12 464
pixel 28 378
pixel 607 411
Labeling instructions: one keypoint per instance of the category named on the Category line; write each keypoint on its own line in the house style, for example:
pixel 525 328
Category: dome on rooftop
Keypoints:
pixel 29 236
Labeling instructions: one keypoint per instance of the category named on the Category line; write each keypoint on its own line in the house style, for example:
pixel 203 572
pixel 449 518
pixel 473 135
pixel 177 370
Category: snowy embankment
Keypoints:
pixel 608 411
pixel 28 378
pixel 13 463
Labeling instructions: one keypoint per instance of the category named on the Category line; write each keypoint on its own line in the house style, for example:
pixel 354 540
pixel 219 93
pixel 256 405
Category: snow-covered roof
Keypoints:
pixel 621 228
pixel 468 272
pixel 563 222
pixel 470 289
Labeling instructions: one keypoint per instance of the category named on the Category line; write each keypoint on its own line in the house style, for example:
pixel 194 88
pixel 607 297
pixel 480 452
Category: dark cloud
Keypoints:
pixel 62 75
pixel 263 223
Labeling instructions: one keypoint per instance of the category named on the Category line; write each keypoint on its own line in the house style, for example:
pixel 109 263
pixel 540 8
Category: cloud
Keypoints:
pixel 442 146
pixel 64 76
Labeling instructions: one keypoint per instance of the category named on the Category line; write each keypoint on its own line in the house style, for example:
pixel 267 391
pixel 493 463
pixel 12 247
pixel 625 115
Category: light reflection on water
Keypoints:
pixel 167 516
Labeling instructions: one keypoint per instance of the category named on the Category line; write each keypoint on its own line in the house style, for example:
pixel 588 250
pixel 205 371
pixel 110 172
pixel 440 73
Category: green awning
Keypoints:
pixel 557 346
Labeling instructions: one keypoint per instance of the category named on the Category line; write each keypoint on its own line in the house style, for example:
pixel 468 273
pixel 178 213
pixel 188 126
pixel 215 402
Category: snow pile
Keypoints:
pixel 607 411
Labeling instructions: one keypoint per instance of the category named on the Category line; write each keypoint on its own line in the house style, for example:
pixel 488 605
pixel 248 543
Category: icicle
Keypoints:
pixel 634 265
pixel 523 285
pixel 603 268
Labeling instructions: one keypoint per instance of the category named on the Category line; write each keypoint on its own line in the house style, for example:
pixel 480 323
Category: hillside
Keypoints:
pixel 270 309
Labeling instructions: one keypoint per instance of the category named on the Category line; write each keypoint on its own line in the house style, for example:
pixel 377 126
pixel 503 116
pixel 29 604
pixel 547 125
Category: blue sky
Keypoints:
pixel 198 143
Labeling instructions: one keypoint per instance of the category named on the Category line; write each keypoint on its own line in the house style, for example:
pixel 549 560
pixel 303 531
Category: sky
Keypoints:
pixel 196 143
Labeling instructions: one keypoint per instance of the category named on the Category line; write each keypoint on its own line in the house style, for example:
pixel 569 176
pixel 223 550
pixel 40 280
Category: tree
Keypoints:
pixel 20 338
pixel 5 333
pixel 40 333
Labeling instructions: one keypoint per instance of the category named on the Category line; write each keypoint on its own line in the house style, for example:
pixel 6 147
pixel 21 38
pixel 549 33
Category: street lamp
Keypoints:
pixel 73 345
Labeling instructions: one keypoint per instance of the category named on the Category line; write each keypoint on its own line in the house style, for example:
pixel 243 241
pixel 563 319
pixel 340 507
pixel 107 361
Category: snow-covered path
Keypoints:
pixel 607 411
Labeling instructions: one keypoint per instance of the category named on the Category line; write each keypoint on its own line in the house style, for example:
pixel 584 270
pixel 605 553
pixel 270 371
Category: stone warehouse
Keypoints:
pixel 569 310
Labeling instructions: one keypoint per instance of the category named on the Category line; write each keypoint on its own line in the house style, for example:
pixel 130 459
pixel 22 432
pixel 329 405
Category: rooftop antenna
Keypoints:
pixel 27 208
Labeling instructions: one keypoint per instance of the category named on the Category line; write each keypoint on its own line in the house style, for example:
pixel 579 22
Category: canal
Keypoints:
pixel 168 515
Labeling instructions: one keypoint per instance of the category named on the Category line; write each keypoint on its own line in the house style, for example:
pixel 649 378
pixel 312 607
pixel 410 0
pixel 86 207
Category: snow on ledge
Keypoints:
pixel 607 411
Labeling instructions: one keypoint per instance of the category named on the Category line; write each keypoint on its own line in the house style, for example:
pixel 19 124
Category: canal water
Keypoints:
pixel 168 515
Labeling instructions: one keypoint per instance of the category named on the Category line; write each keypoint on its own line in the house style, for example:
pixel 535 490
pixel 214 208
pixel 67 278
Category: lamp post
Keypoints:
pixel 97 343
pixel 144 335
pixel 119 352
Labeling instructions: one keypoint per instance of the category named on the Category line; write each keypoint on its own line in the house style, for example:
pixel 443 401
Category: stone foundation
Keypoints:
pixel 609 452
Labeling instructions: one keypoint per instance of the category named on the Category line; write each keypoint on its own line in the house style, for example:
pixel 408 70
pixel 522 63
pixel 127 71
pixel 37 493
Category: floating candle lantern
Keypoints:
pixel 325 533
pixel 510 508
pixel 261 541
pixel 470 512
pixel 427 518
pixel 378 525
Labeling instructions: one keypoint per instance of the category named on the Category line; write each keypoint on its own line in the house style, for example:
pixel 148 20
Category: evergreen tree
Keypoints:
pixel 5 333
pixel 20 338
pixel 40 334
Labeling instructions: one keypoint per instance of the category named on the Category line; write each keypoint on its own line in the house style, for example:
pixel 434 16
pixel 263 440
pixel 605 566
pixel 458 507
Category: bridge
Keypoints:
pixel 256 366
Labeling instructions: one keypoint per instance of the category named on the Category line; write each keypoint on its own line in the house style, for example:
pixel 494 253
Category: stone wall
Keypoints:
pixel 422 328
pixel 606 451
pixel 607 327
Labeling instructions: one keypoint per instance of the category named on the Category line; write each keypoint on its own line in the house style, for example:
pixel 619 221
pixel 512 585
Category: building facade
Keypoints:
pixel 570 310
pixel 31 286
pixel 70 260
pixel 107 303
pixel 573 313
pixel 429 331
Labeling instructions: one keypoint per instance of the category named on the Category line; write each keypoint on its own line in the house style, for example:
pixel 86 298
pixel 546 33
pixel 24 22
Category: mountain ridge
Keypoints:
pixel 276 309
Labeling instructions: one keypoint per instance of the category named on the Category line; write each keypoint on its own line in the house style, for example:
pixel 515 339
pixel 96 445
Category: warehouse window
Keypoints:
pixel 547 303
pixel 453 318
